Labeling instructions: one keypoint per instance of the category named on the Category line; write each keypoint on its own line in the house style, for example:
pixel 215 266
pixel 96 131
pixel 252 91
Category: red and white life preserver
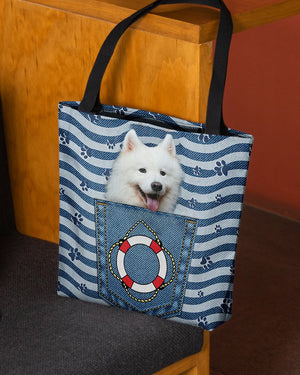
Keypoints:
pixel 156 248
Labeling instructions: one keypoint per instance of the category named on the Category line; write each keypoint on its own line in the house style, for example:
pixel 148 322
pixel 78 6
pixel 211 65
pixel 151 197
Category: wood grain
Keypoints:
pixel 183 21
pixel 162 64
pixel 46 58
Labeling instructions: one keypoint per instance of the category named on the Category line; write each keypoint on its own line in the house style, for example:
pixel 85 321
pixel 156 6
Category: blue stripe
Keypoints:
pixel 208 173
pixel 63 289
pixel 82 274
pixel 224 247
pixel 192 316
pixel 93 185
pixel 204 284
pixel 206 206
pixel 78 209
pixel 63 149
pixel 83 244
pixel 88 292
pixel 204 299
pixel 180 149
pixel 104 122
pixel 225 263
pixel 215 219
pixel 231 231
pixel 88 262
pixel 76 191
pixel 234 181
pixel 211 156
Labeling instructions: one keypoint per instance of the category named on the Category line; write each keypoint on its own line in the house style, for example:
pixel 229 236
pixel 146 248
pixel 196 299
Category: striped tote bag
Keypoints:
pixel 150 204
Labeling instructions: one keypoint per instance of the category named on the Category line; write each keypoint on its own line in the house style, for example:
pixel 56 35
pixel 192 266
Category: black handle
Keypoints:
pixel 214 116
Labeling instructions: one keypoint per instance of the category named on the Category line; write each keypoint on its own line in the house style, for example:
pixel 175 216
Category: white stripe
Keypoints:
pixel 210 164
pixel 76 230
pixel 162 264
pixel 202 306
pixel 95 162
pixel 84 268
pixel 95 128
pixel 143 288
pixel 91 193
pixel 194 293
pixel 72 243
pixel 224 255
pixel 136 240
pixel 208 275
pixel 120 264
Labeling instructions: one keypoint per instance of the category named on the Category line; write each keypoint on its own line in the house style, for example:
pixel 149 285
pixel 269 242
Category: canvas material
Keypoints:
pixel 215 169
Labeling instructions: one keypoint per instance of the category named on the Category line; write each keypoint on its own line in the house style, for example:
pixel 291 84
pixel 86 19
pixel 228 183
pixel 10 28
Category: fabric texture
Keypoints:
pixel 41 333
pixel 215 169
pixel 190 170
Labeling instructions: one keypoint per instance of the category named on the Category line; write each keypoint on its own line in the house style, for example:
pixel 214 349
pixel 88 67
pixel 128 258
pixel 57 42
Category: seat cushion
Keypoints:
pixel 42 333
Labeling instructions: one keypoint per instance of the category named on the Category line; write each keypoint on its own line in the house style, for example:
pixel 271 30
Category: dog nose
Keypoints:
pixel 156 186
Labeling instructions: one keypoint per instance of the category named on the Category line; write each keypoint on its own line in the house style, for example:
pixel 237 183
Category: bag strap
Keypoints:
pixel 214 115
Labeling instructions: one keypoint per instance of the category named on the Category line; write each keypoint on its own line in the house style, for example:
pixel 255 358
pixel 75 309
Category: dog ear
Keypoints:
pixel 131 141
pixel 168 145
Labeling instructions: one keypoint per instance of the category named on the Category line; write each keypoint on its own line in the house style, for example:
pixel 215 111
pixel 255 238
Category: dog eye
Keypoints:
pixel 163 173
pixel 142 170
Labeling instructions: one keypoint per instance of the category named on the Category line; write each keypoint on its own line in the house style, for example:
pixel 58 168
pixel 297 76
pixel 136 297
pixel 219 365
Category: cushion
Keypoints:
pixel 42 333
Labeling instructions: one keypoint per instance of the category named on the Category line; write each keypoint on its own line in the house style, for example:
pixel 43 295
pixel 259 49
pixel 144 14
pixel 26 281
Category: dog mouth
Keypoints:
pixel 150 200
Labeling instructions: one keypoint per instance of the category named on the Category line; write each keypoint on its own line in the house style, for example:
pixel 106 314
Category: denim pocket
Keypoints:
pixel 143 257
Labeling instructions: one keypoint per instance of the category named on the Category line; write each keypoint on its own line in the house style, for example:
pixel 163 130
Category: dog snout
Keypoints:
pixel 156 186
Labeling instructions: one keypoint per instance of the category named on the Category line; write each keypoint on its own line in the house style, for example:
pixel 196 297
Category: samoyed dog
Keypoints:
pixel 146 176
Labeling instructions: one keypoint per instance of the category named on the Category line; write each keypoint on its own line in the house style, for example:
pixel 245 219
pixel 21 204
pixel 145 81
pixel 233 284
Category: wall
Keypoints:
pixel 262 98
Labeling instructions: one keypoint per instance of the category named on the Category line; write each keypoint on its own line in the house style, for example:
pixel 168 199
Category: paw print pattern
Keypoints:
pixel 204 138
pixel 218 198
pixel 192 203
pixel 197 171
pixel 94 118
pixel 250 150
pixel 110 145
pixel 202 321
pixel 200 293
pixel 232 270
pixel 218 229
pixel 86 152
pixel 221 168
pixel 120 111
pixel 152 115
pixel 64 138
pixel 84 186
pixel 226 306
pixel 74 254
pixel 106 174
pixel 77 218
pixel 206 263
pixel 82 288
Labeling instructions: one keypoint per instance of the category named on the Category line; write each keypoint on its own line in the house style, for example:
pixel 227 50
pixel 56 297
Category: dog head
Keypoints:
pixel 153 172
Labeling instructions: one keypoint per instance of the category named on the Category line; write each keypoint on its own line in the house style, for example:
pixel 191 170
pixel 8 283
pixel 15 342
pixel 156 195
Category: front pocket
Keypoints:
pixel 143 257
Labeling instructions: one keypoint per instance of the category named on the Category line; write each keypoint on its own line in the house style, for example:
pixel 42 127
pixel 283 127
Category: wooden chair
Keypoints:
pixel 47 50
pixel 197 364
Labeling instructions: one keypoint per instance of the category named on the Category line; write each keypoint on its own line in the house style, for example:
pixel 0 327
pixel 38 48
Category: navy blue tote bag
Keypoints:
pixel 150 204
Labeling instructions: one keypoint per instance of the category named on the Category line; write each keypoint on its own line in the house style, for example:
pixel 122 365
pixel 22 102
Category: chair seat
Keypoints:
pixel 42 333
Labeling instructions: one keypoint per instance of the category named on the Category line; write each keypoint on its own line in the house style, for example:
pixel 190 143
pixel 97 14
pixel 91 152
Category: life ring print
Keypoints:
pixel 157 249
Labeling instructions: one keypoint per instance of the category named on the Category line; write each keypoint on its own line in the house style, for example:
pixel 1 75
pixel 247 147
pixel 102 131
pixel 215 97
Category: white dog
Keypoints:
pixel 146 176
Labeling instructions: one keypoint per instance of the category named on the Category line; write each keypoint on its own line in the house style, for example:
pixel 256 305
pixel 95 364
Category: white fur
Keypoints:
pixel 139 166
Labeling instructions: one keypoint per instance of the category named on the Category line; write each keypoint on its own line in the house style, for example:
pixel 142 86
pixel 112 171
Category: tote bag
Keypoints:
pixel 150 204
